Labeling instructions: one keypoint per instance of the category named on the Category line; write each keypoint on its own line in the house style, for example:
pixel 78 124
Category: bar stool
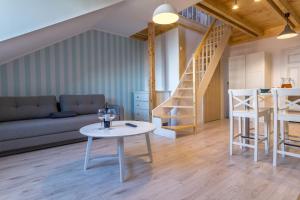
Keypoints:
pixel 285 110
pixel 243 104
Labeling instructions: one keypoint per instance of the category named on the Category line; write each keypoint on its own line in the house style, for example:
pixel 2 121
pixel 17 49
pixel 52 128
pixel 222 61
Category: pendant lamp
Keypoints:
pixel 288 32
pixel 165 14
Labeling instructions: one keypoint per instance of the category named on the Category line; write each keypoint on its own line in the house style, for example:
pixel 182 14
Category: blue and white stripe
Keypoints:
pixel 93 62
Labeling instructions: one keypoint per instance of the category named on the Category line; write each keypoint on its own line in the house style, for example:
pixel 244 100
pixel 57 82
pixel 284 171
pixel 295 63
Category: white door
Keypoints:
pixel 236 70
pixel 255 73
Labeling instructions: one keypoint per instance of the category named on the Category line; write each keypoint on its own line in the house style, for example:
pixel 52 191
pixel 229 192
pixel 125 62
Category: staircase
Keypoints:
pixel 180 113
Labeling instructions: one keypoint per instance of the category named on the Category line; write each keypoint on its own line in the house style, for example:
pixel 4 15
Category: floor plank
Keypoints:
pixel 191 167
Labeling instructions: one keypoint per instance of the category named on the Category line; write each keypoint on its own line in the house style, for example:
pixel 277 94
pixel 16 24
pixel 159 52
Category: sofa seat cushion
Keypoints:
pixel 37 127
pixel 63 114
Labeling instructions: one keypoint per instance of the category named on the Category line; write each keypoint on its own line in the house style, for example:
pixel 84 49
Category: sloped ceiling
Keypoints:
pixel 21 17
pixel 122 17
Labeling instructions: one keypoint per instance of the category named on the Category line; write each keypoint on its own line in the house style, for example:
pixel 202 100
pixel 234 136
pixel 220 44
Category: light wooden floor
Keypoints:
pixel 192 167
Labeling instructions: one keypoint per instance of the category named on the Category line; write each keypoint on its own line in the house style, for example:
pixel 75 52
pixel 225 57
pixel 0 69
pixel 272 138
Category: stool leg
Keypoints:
pixel 282 138
pixel 269 129
pixel 266 133
pixel 275 142
pixel 231 135
pixel 240 132
pixel 244 132
pixel 256 123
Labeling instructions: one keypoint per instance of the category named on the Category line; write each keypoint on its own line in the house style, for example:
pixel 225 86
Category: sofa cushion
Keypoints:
pixel 82 104
pixel 37 127
pixel 21 108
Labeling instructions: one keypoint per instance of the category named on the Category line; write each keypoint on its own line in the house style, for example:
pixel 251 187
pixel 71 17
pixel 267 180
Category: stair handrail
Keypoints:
pixel 203 40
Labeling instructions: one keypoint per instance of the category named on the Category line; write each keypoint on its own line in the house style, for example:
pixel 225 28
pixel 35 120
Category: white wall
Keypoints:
pixel 192 40
pixel 167 57
pixel 166 60
pixel 172 59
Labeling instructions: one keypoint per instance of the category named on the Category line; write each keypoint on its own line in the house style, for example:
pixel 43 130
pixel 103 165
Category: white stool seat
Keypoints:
pixel 251 113
pixel 289 115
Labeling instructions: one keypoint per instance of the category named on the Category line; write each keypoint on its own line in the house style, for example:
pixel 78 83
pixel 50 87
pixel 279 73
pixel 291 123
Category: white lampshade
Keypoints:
pixel 287 33
pixel 165 14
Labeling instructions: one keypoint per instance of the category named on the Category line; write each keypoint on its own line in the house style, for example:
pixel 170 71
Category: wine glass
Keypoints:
pixel 112 113
pixel 101 115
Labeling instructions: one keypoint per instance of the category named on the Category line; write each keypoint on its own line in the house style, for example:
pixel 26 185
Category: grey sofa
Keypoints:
pixel 25 123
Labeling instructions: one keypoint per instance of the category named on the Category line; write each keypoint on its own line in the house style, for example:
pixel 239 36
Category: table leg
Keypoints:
pixel 121 157
pixel 282 138
pixel 87 152
pixel 149 146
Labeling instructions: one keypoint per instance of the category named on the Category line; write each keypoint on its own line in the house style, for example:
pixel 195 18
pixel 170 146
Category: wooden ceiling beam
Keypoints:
pixel 271 32
pixel 223 14
pixel 281 13
pixel 286 7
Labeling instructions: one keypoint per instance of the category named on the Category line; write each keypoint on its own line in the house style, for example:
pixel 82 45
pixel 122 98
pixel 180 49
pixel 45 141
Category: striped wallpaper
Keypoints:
pixel 93 62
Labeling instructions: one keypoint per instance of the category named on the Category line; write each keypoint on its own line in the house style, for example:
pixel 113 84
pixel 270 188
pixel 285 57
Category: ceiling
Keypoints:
pixel 254 20
pixel 122 17
pixel 251 21
pixel 16 21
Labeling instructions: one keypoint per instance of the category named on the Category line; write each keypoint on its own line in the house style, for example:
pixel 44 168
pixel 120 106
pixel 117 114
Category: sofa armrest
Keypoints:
pixel 119 110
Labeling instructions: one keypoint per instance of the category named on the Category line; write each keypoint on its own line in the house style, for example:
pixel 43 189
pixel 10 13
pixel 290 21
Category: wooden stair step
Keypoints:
pixel 185 88
pixel 174 116
pixel 183 107
pixel 178 127
pixel 182 97
pixel 190 73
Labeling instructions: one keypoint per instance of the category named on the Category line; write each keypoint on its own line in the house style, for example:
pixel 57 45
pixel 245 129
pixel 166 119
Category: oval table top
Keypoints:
pixel 118 129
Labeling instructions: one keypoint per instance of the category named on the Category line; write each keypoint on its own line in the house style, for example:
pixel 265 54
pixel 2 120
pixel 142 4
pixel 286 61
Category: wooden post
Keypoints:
pixel 182 59
pixel 151 56
pixel 195 114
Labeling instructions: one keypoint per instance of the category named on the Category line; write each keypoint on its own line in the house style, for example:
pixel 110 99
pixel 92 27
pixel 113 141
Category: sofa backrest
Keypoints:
pixel 22 108
pixel 82 104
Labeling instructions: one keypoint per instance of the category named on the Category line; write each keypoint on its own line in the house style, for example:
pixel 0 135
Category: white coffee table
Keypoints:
pixel 119 131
